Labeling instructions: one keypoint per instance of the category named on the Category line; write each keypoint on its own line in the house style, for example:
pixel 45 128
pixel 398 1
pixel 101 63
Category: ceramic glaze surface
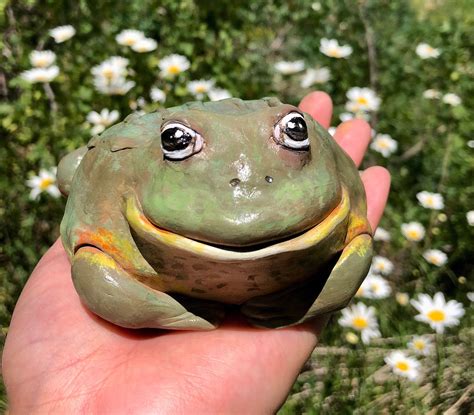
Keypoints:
pixel 178 215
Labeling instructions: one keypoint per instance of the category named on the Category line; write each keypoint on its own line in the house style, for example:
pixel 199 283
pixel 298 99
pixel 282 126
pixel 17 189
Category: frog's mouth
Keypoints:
pixel 148 231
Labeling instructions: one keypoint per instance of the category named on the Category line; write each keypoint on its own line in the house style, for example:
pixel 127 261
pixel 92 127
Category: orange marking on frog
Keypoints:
pixel 109 244
pixel 358 225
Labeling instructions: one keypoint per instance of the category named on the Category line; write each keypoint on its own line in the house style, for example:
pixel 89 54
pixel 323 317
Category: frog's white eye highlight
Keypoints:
pixel 291 131
pixel 179 141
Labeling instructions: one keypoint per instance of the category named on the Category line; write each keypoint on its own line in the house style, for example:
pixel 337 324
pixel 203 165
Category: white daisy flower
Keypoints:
pixel 62 33
pixel 430 200
pixel 40 74
pixel 437 312
pixel 331 48
pixel 403 365
pixel 452 99
pixel 42 58
pixel 200 87
pixel 129 37
pixel 382 234
pixel 157 95
pixel 425 51
pixel 332 130
pixel 111 69
pixel 119 86
pixel 470 296
pixel 382 265
pixel 421 345
pixel 362 99
pixel 102 120
pixel 361 318
pixel 173 65
pixel 315 76
pixel 288 68
pixel 44 182
pixel 432 94
pixel 374 287
pixel 144 45
pixel 217 94
pixel 470 217
pixel 413 231
pixel 384 144
pixel 435 257
pixel 109 76
pixel 402 298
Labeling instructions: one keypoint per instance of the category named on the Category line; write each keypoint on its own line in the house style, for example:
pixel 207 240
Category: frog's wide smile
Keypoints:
pixel 145 229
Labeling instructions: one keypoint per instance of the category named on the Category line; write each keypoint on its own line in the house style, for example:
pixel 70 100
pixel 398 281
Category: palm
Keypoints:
pixel 61 358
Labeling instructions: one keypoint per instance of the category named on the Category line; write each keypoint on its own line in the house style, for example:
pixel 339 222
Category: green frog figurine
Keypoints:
pixel 176 216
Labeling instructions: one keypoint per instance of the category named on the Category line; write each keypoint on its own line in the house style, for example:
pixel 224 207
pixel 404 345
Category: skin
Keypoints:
pixel 196 240
pixel 60 358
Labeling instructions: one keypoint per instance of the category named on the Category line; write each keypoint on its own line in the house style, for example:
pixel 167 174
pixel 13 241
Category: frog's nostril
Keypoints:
pixel 234 182
pixel 269 179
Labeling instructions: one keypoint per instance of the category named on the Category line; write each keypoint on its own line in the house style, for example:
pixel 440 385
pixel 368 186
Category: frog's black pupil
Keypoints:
pixel 296 129
pixel 173 139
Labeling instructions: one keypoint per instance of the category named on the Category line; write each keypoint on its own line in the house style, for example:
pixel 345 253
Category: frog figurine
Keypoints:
pixel 177 216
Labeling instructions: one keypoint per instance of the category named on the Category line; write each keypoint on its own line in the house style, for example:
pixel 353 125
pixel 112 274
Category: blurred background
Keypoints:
pixel 69 69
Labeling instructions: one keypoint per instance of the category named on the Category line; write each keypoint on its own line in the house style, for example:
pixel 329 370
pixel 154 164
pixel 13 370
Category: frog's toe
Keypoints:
pixel 114 295
pixel 315 297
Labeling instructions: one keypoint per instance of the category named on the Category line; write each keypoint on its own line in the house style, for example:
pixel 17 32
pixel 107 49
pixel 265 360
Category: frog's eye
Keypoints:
pixel 179 141
pixel 291 131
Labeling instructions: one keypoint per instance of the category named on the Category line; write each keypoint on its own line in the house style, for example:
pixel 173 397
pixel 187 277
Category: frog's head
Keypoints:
pixel 235 173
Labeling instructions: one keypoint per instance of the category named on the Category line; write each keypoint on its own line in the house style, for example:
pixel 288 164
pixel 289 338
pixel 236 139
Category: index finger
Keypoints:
pixel 318 104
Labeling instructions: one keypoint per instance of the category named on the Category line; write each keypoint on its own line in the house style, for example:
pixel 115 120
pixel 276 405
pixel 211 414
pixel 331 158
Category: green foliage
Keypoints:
pixel 236 44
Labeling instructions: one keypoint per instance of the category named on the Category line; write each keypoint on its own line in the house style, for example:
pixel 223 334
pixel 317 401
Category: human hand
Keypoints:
pixel 60 358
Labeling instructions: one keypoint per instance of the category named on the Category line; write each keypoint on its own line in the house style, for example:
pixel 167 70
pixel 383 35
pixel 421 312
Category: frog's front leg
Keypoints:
pixel 315 297
pixel 110 292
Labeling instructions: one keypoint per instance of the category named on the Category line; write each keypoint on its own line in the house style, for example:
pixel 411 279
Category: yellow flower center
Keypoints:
pixel 383 144
pixel 429 201
pixel 359 323
pixel 45 183
pixel 433 259
pixel 42 78
pixel 419 344
pixel 174 69
pixel 360 292
pixel 335 53
pixel 375 287
pixel 413 234
pixel 108 73
pixel 201 89
pixel 403 366
pixel 362 101
pixel 41 61
pixel 436 315
pixel 130 41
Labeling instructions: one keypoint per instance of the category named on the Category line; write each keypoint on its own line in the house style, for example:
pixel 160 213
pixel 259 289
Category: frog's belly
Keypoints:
pixel 235 281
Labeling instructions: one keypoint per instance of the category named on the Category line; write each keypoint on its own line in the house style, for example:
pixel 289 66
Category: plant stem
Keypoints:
pixel 371 52
pixel 51 97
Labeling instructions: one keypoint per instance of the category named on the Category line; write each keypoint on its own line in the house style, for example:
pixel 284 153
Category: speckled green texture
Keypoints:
pixel 133 217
